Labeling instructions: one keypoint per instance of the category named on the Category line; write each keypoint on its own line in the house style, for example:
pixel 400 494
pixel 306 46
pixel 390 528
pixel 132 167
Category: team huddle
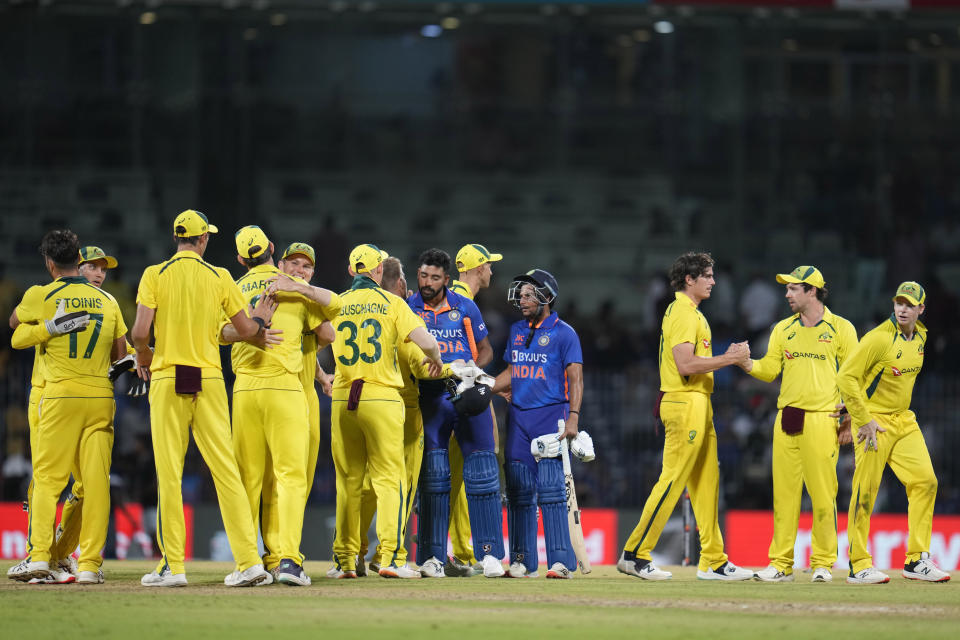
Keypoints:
pixel 411 411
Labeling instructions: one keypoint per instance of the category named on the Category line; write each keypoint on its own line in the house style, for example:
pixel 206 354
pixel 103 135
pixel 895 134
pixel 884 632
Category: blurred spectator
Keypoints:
pixel 759 303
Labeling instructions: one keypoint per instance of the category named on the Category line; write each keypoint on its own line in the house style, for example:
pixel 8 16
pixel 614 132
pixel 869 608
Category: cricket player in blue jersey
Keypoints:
pixel 545 379
pixel 456 323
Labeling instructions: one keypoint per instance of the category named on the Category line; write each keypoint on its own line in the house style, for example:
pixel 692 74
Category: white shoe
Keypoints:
pixel 924 569
pixel 165 579
pixel 868 576
pixel 432 568
pixel 457 569
pixel 772 574
pixel 492 567
pixel 519 570
pixel 648 571
pixel 402 571
pixel 88 577
pixel 727 571
pixel 249 577
pixel 374 567
pixel 25 570
pixel 559 572
pixel 291 573
pixel 68 564
pixel 822 575
pixel 270 579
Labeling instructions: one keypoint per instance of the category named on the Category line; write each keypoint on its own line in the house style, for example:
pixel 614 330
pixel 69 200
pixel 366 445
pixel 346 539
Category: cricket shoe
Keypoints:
pixel 271 577
pixel 924 569
pixel 374 566
pixel 57 576
pixel 646 569
pixel 165 579
pixel 559 572
pixel 519 570
pixel 89 577
pixel 402 571
pixel 432 568
pixel 455 568
pixel 249 577
pixel 772 574
pixel 291 573
pixel 727 571
pixel 822 574
pixel 868 576
pixel 26 570
pixel 68 564
pixel 492 567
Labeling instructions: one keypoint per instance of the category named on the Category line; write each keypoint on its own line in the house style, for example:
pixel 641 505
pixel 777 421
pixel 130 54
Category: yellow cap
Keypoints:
pixel 471 256
pixel 912 291
pixel 802 275
pixel 369 255
pixel 89 254
pixel 192 223
pixel 303 249
pixel 251 241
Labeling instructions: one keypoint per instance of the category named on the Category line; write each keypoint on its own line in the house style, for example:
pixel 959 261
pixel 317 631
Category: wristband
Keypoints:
pixel 259 321
pixel 576 411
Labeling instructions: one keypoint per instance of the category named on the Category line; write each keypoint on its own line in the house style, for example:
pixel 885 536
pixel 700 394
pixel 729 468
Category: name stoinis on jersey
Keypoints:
pixel 79 304
pixel 538 371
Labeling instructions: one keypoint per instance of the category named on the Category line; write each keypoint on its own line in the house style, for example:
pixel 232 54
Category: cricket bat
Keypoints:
pixel 573 509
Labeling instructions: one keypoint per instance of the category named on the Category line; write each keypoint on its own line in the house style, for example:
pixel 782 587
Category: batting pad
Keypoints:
pixel 522 514
pixel 434 506
pixel 481 478
pixel 553 510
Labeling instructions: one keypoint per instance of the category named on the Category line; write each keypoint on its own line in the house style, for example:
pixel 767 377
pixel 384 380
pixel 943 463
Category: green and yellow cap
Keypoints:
pixel 303 249
pixel 471 256
pixel 89 254
pixel 803 275
pixel 912 292
pixel 368 255
pixel 192 223
pixel 251 241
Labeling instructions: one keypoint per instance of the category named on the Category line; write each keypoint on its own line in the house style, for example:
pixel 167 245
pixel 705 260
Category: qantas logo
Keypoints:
pixel 790 355
pixel 706 344
pixel 786 354
pixel 896 371
pixel 900 372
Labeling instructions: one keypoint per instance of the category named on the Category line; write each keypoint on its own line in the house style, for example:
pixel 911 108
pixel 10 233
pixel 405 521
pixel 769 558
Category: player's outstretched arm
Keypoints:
pixel 140 334
pixel 575 392
pixel 29 335
pixel 428 344
pixel 282 282
pixel 484 353
pixel 325 333
pixel 689 364
pixel 503 382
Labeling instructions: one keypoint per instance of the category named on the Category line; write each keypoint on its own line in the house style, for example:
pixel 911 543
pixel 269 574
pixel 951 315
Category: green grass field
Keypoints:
pixel 604 604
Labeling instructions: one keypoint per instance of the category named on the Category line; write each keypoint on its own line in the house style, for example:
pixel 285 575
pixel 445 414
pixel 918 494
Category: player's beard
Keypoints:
pixel 429 293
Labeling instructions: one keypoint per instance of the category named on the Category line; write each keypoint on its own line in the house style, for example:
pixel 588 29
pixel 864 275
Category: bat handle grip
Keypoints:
pixel 565 457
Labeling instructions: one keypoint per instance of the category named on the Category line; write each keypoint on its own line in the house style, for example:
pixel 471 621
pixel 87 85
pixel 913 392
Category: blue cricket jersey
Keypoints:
pixel 539 372
pixel 454 325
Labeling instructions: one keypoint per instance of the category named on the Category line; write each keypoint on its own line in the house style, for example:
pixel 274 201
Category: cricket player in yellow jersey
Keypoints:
pixel 75 411
pixel 876 383
pixel 808 348
pixel 687 364
pixel 185 299
pixel 475 269
pixel 367 420
pixel 270 418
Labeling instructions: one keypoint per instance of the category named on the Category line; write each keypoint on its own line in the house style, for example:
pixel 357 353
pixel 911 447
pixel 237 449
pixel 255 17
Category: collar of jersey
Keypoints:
pixel 919 330
pixel 361 281
pixel 680 295
pixel 264 267
pixel 553 316
pixel 828 318
pixel 73 280
pixel 451 302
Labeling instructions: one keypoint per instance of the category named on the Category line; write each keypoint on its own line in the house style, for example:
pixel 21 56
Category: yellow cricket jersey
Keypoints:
pixel 410 359
pixel 294 315
pixel 189 296
pixel 372 324
pixel 879 375
pixel 683 322
pixel 809 358
pixel 36 377
pixel 84 356
pixel 461 288
pixel 308 348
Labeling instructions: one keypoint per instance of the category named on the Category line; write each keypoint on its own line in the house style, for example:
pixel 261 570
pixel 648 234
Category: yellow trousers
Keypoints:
pixel 270 423
pixel 368 440
pixel 172 415
pixel 902 447
pixel 75 429
pixel 412 459
pixel 67 535
pixel 808 458
pixel 689 460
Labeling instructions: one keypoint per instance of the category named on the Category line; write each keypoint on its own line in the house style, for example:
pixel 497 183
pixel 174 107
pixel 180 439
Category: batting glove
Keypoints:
pixel 582 447
pixel 139 387
pixel 547 446
pixel 121 366
pixel 64 323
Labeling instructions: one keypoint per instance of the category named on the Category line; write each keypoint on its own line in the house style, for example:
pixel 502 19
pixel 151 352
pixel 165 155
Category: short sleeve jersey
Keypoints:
pixel 190 297
pixel 538 358
pixel 683 322
pixel 369 329
pixel 809 358
pixel 457 325
pixel 879 375
pixel 84 356
pixel 294 315
pixel 461 289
